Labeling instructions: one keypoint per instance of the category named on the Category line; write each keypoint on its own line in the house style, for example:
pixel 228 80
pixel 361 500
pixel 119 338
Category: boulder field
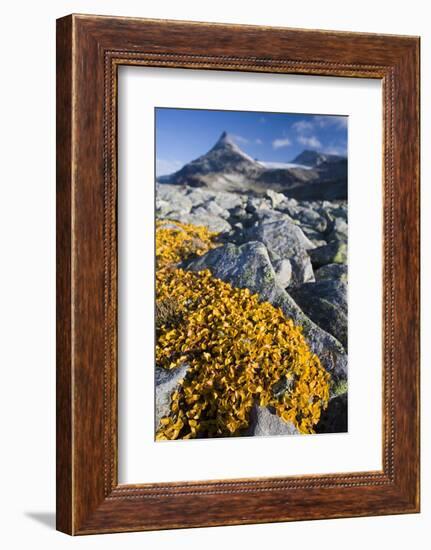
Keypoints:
pixel 291 253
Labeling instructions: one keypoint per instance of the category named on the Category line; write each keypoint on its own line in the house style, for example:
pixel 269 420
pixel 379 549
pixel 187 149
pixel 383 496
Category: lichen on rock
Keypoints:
pixel 237 348
pixel 176 240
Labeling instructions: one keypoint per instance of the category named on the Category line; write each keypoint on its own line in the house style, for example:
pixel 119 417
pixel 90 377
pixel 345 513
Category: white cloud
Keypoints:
pixel 258 141
pixel 303 126
pixel 166 166
pixel 311 141
pixel 281 142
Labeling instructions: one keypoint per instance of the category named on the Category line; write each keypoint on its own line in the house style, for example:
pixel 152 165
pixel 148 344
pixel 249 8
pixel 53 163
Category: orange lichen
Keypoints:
pixel 239 351
pixel 176 241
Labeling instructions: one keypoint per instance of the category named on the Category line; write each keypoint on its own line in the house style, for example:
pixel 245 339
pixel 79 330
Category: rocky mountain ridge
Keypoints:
pixel 313 159
pixel 225 167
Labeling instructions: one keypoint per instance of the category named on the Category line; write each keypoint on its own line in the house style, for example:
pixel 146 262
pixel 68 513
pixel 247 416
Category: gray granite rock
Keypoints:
pixel 210 208
pixel 227 201
pixel 213 223
pixel 339 230
pixel 245 266
pixel 263 422
pixel 333 253
pixel 275 198
pixel 287 240
pixel 325 302
pixel 311 218
pixel 283 271
pixel 254 204
pixel 332 290
pixel 332 271
pixel 166 382
pixel 199 196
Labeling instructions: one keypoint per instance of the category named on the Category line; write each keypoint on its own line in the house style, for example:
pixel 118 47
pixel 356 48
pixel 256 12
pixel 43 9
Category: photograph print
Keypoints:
pixel 251 245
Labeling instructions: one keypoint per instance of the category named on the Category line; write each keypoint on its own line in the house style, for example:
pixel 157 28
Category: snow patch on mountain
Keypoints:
pixel 270 164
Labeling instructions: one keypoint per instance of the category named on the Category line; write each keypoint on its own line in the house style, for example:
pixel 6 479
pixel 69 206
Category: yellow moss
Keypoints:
pixel 238 349
pixel 173 245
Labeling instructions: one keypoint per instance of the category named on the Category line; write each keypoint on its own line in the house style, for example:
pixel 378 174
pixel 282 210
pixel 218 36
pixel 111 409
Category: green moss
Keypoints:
pixel 341 255
pixel 339 387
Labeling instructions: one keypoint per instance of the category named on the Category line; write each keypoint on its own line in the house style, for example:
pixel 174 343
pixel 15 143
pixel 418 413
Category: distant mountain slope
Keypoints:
pixel 226 167
pixel 314 159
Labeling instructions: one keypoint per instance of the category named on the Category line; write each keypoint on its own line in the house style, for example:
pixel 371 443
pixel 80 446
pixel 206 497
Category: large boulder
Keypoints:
pixel 332 271
pixel 249 266
pixel 334 252
pixel 264 422
pixel 332 290
pixel 245 266
pixel 166 382
pixel 166 209
pixel 228 201
pixel 280 234
pixel 333 209
pixel 314 236
pixel 276 198
pixel 196 206
pixel 325 302
pixel 254 204
pixel 210 208
pixel 202 217
pixel 199 196
pixel 267 215
pixel 311 218
pixel 171 201
pixel 339 230
pixel 287 240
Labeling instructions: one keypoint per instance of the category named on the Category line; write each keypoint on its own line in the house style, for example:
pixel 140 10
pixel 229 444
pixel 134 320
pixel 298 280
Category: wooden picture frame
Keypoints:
pixel 89 51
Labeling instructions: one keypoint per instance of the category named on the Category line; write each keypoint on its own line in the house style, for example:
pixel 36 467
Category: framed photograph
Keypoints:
pixel 237 274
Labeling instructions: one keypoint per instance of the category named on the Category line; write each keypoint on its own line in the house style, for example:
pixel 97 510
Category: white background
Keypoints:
pixel 141 458
pixel 27 273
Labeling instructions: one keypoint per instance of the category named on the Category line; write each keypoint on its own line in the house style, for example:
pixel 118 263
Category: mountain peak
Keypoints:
pixel 224 139
pixel 227 149
pixel 225 157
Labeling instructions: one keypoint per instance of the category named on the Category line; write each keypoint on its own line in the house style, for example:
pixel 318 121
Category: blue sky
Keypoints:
pixel 184 134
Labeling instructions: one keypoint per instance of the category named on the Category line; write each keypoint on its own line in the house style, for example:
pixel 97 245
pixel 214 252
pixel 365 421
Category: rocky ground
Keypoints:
pixel 292 254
